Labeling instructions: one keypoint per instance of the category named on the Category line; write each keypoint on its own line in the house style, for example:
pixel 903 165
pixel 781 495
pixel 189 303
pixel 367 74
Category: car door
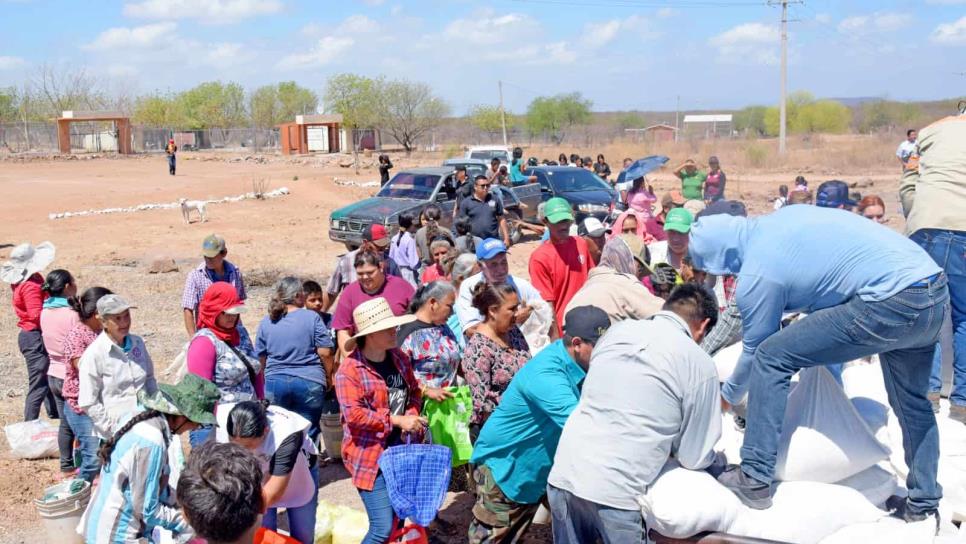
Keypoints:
pixel 445 198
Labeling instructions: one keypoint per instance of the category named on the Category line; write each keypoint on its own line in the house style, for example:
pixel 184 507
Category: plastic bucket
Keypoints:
pixel 332 435
pixel 61 517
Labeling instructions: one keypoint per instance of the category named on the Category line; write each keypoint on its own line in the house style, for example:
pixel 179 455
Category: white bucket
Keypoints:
pixel 61 517
pixel 332 435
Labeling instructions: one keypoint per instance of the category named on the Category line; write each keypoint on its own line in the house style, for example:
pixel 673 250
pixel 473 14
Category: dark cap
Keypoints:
pixel 588 323
pixel 726 207
pixel 833 194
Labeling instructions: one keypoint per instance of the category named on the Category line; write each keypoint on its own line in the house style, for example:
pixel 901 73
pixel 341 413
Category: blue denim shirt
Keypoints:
pixel 519 440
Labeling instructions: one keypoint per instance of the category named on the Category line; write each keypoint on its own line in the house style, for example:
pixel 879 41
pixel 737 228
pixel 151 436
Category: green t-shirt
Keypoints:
pixel 692 186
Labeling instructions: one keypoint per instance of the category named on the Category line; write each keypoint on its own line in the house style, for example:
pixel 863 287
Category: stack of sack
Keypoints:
pixel 840 457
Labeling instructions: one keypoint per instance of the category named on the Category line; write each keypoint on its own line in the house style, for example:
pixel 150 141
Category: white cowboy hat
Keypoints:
pixel 373 316
pixel 26 260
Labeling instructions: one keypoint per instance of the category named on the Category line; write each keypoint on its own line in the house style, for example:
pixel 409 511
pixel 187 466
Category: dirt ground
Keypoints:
pixel 265 238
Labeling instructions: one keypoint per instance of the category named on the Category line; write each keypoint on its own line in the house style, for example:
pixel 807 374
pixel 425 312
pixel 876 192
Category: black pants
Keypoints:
pixel 65 435
pixel 31 345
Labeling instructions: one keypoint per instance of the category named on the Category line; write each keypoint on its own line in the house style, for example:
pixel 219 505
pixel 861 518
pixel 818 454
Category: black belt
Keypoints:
pixel 927 281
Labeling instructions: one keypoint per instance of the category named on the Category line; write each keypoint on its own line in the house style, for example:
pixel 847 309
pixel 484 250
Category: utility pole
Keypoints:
pixel 677 116
pixel 782 114
pixel 502 112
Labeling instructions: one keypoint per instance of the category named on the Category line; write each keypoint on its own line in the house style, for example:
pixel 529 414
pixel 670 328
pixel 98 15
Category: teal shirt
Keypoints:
pixel 519 440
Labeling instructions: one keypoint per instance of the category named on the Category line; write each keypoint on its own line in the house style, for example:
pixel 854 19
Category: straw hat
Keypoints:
pixel 26 260
pixel 375 315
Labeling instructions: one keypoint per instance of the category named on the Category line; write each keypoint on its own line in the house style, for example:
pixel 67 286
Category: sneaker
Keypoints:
pixel 934 399
pixel 751 492
pixel 898 507
pixel 957 413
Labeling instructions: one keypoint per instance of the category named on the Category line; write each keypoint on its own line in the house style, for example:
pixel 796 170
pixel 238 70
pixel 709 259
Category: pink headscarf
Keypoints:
pixel 647 227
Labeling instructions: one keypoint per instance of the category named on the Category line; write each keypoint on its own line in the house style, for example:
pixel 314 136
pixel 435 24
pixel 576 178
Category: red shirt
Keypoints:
pixel 28 301
pixel 558 271
pixel 432 273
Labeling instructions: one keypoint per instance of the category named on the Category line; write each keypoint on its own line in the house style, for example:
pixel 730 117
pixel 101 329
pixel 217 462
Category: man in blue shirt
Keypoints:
pixel 866 290
pixel 514 452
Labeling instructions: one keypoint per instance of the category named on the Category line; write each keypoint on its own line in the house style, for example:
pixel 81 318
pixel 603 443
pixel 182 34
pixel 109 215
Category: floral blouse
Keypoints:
pixel 434 352
pixel 78 338
pixel 489 367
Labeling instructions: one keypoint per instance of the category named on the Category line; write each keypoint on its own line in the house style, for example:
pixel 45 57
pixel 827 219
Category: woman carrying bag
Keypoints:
pixel 280 438
pixel 222 352
pixel 380 400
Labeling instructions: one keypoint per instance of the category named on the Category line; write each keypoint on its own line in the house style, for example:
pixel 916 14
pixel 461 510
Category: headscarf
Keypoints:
pixel 618 256
pixel 218 298
pixel 648 228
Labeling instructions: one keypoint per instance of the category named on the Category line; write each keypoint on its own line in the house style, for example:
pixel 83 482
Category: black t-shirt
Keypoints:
pixel 287 453
pixel 405 330
pixel 484 215
pixel 602 170
pixel 398 391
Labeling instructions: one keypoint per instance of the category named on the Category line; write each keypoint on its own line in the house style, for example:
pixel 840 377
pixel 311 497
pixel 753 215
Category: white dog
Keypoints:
pixel 188 205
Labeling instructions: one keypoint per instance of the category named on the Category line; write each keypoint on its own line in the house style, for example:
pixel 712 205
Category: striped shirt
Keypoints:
pixel 133 496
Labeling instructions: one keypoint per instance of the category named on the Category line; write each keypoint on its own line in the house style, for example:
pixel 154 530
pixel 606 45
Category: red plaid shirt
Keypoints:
pixel 364 399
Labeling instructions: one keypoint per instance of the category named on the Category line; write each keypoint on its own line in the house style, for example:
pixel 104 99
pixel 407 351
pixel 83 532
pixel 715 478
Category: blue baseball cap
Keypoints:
pixel 833 194
pixel 491 247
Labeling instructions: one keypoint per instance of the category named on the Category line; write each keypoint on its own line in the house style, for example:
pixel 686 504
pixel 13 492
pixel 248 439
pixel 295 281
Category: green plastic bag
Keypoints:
pixel 449 423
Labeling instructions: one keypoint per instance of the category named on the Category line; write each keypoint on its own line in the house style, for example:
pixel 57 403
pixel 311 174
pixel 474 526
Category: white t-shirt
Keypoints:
pixel 470 317
pixel 907 149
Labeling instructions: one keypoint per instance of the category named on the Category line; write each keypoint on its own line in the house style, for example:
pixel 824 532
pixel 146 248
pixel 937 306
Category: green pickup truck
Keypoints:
pixel 412 190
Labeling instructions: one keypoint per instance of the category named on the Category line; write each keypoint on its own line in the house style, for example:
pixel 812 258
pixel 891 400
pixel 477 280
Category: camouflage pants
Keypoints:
pixel 497 519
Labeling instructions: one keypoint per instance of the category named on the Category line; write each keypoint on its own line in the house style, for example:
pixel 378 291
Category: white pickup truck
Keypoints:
pixel 488 152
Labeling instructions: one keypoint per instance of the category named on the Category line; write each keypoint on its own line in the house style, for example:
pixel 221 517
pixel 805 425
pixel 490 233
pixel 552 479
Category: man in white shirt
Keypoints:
pixel 908 149
pixel 651 394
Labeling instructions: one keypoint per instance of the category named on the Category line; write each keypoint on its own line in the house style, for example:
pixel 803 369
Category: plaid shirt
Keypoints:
pixel 727 330
pixel 200 279
pixel 364 400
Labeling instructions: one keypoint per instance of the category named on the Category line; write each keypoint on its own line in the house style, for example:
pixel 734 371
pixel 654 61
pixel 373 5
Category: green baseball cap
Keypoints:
pixel 193 397
pixel 557 210
pixel 678 219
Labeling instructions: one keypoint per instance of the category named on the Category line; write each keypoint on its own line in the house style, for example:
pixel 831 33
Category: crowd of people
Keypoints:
pixel 578 413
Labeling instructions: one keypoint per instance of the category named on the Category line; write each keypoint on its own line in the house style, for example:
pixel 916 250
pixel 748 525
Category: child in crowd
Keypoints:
pixel 801 184
pixel 402 249
pixel 782 196
pixel 314 301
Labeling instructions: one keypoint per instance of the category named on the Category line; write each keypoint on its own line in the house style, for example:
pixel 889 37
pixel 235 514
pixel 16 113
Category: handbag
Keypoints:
pixel 417 477
pixel 244 359
pixel 449 423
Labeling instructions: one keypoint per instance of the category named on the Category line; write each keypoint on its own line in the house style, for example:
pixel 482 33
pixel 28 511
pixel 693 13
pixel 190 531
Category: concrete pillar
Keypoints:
pixel 63 135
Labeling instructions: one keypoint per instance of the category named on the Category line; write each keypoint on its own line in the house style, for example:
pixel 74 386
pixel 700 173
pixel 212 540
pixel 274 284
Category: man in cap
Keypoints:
pixel 214 268
pixel 594 233
pixel 651 394
pixel 516 446
pixel 559 268
pixel 670 200
pixel 834 194
pixel 672 251
pixel 866 290
pixel 171 150
pixel 375 238
pixel 495 269
pixel 614 285
pixel 485 211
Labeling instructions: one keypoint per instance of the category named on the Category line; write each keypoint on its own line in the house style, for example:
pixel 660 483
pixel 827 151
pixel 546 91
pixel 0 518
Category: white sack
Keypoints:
pixel 887 530
pixel 823 437
pixel 726 360
pixel 34 439
pixel 875 484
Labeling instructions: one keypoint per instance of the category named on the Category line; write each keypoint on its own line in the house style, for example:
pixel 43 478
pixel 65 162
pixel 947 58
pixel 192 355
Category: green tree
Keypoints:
pixel 488 119
pixel 823 116
pixel 271 105
pixel 752 120
pixel 409 110
pixel 554 115
pixel 214 105
pixel 9 104
pixel 357 99
pixel 630 119
pixel 159 110
pixel 886 114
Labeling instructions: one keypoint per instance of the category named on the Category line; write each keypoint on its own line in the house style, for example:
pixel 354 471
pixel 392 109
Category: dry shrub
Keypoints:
pixel 259 187
pixel 264 276
pixel 756 155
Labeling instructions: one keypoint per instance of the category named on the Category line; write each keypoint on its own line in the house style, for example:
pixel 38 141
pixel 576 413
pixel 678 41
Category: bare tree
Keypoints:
pixel 61 88
pixel 409 110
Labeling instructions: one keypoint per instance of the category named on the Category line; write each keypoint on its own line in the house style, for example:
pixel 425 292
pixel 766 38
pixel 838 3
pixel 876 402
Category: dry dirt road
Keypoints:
pixel 265 238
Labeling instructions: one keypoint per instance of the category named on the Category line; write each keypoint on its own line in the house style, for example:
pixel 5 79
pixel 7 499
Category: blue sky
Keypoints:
pixel 622 54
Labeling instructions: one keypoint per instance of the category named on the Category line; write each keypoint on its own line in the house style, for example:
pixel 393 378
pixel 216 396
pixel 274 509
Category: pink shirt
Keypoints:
pixel 55 323
pixel 641 201
pixel 78 338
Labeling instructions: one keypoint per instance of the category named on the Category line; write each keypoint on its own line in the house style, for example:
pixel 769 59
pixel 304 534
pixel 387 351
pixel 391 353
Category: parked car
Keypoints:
pixel 588 194
pixel 474 167
pixel 487 152
pixel 413 189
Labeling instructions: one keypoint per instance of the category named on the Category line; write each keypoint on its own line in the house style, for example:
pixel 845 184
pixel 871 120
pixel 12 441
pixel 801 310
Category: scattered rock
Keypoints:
pixel 162 266
pixel 345 162
pixel 861 184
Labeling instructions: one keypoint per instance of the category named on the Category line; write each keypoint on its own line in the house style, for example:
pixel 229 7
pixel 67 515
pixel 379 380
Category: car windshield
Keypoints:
pixel 572 180
pixel 488 154
pixel 406 185
pixel 472 169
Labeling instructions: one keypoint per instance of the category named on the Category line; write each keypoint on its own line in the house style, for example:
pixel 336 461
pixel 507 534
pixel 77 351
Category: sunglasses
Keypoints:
pixel 483 185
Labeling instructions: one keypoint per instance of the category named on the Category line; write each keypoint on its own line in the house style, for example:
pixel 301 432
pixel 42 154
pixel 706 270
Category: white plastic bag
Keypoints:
pixel 726 360
pixel 179 366
pixel 823 437
pixel 536 328
pixel 35 439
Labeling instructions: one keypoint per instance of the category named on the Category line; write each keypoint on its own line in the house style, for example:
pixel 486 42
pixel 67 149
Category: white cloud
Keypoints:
pixel 133 37
pixel 358 24
pixel 558 53
pixel 876 22
pixel 950 33
pixel 486 27
pixel 748 42
pixel 396 10
pixel 599 34
pixel 9 63
pixel 664 13
pixel 210 11
pixel 374 2
pixel 224 53
pixel 325 51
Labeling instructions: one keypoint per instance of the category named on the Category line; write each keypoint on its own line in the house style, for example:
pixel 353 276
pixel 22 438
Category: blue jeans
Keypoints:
pixel 301 520
pixel 948 249
pixel 83 429
pixel 578 521
pixel 379 510
pixel 903 330
pixel 304 397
